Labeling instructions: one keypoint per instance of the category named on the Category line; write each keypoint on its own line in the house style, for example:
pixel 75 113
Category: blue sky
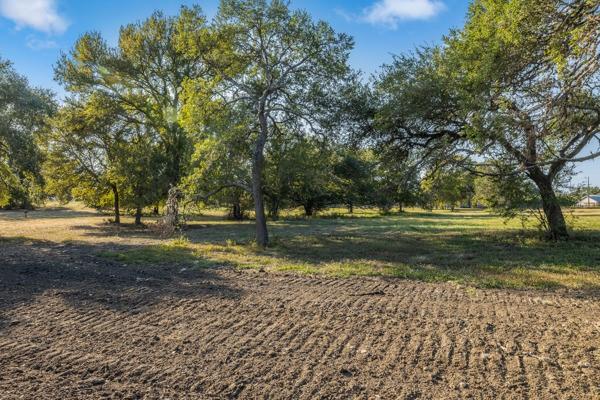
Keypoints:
pixel 34 32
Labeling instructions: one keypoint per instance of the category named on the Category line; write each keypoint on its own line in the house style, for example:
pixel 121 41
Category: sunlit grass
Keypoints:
pixel 471 247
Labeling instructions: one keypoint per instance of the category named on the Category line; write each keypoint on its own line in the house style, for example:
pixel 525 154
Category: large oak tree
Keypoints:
pixel 517 88
pixel 144 74
pixel 279 66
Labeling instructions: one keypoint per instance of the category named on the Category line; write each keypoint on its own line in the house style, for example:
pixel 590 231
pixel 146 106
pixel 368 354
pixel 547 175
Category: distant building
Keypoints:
pixel 592 200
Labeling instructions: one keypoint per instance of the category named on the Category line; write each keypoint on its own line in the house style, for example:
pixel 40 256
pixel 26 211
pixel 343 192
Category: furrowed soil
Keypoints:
pixel 77 326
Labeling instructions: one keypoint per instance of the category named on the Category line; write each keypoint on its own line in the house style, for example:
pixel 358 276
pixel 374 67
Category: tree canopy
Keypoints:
pixel 275 64
pixel 516 88
pixel 144 75
pixel 23 112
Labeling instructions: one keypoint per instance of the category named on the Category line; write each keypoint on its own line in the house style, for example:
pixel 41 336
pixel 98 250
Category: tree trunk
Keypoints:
pixel 274 210
pixel 556 225
pixel 155 210
pixel 385 209
pixel 350 208
pixel 174 148
pixel 116 204
pixel 170 223
pixel 309 209
pixel 262 235
pixel 236 212
pixel 138 215
pixel 400 207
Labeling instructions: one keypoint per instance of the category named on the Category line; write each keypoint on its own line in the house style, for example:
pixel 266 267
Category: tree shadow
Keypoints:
pixel 109 229
pixel 47 213
pixel 201 231
pixel 211 229
pixel 486 259
pixel 84 279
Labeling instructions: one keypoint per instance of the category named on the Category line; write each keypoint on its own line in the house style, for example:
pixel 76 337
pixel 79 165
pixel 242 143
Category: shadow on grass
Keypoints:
pixel 109 229
pixel 212 229
pixel 501 249
pixel 485 259
pixel 474 248
pixel 47 213
pixel 85 279
pixel 492 259
pixel 464 248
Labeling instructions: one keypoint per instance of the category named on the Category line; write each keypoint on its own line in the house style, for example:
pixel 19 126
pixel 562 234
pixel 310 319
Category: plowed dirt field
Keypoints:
pixel 77 326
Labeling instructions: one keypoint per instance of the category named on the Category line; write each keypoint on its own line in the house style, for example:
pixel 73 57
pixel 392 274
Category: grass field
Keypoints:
pixel 470 247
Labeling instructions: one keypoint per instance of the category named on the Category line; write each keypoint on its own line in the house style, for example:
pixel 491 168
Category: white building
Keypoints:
pixel 592 200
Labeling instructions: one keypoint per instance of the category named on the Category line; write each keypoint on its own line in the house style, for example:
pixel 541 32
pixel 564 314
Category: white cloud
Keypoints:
pixel 35 43
pixel 41 15
pixel 390 12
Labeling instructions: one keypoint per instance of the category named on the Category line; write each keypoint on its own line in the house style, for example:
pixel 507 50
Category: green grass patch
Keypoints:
pixel 470 247
pixel 467 247
pixel 176 251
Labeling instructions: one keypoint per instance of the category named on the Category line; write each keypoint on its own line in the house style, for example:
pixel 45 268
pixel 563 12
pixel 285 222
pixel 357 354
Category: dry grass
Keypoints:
pixel 470 246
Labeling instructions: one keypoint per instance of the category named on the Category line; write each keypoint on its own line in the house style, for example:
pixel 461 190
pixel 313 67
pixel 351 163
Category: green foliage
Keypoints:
pixel 140 163
pixel 95 153
pixel 447 186
pixel 354 178
pixel 247 103
pixel 144 76
pixel 507 193
pixel 310 175
pixel 516 86
pixel 396 182
pixel 23 114
pixel 273 65
pixel 220 173
pixel 259 106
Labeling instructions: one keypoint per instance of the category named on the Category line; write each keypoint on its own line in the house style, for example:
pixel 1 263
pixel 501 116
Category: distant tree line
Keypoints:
pixel 258 110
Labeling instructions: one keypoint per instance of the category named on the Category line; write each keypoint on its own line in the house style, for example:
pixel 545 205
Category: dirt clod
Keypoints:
pixel 95 381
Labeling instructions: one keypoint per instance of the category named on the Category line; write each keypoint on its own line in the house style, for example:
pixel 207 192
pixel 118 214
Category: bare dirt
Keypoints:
pixel 76 326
